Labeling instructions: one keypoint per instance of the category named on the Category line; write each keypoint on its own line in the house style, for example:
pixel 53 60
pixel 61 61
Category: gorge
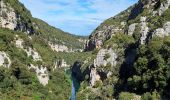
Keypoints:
pixel 127 57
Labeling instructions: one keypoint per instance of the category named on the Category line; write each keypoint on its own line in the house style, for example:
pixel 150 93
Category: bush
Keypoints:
pixel 126 96
pixel 151 96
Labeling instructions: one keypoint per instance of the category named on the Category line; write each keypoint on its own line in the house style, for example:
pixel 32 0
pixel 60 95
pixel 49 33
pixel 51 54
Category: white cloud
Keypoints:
pixel 76 16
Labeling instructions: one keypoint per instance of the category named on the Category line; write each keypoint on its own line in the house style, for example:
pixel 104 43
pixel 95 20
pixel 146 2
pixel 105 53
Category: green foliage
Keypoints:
pixel 20 83
pixel 121 40
pixel 150 69
pixel 151 96
pixel 166 15
pixel 98 84
pixel 54 35
pixel 62 90
pixel 121 17
pixel 107 56
pixel 126 96
pixel 137 34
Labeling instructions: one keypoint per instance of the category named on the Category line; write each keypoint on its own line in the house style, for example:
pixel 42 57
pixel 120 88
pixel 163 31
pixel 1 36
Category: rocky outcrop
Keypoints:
pixel 148 3
pixel 60 64
pixel 162 32
pixel 58 48
pixel 164 6
pixel 62 48
pixel 94 76
pixel 101 58
pixel 30 52
pixel 19 43
pixel 42 74
pixel 35 55
pixel 99 36
pixel 131 28
pixel 144 30
pixel 10 19
pixel 4 60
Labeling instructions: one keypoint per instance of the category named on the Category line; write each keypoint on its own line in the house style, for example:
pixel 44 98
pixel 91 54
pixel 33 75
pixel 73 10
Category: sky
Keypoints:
pixel 79 17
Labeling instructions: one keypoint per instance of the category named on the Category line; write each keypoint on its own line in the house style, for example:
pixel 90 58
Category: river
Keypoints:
pixel 75 87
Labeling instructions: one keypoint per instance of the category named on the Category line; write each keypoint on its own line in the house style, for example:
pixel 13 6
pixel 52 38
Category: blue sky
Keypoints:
pixel 78 17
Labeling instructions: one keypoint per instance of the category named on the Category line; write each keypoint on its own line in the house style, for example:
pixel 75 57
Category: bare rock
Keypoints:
pixel 28 50
pixel 144 30
pixel 4 60
pixel 100 59
pixel 8 17
pixel 164 6
pixel 162 32
pixel 94 76
pixel 131 29
pixel 42 74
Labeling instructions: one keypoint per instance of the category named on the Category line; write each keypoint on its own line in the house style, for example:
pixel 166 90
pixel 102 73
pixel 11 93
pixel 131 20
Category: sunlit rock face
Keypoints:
pixel 4 60
pixel 100 36
pixel 35 55
pixel 164 6
pixel 30 52
pixel 58 48
pixel 100 59
pixel 42 74
pixel 8 17
pixel 131 28
pixel 162 32
pixel 94 76
pixel 144 30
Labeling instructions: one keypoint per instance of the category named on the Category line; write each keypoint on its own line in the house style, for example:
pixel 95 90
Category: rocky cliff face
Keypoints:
pixel 4 60
pixel 8 16
pixel 11 19
pixel 32 38
pixel 142 22
pixel 141 14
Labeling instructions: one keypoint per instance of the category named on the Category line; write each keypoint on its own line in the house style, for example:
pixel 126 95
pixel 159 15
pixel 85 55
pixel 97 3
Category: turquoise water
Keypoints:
pixel 73 92
pixel 75 87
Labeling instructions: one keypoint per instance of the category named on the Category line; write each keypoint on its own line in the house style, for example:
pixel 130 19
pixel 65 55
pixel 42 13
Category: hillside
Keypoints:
pixel 131 55
pixel 35 58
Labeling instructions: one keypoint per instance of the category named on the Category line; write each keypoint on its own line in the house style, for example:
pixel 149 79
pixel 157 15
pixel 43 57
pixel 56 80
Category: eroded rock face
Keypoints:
pixel 8 17
pixel 100 59
pixel 164 6
pixel 149 3
pixel 34 54
pixel 61 64
pixel 19 43
pixel 94 76
pixel 144 30
pixel 12 20
pixel 162 32
pixel 58 48
pixel 4 60
pixel 30 52
pixel 42 74
pixel 131 28
pixel 99 36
